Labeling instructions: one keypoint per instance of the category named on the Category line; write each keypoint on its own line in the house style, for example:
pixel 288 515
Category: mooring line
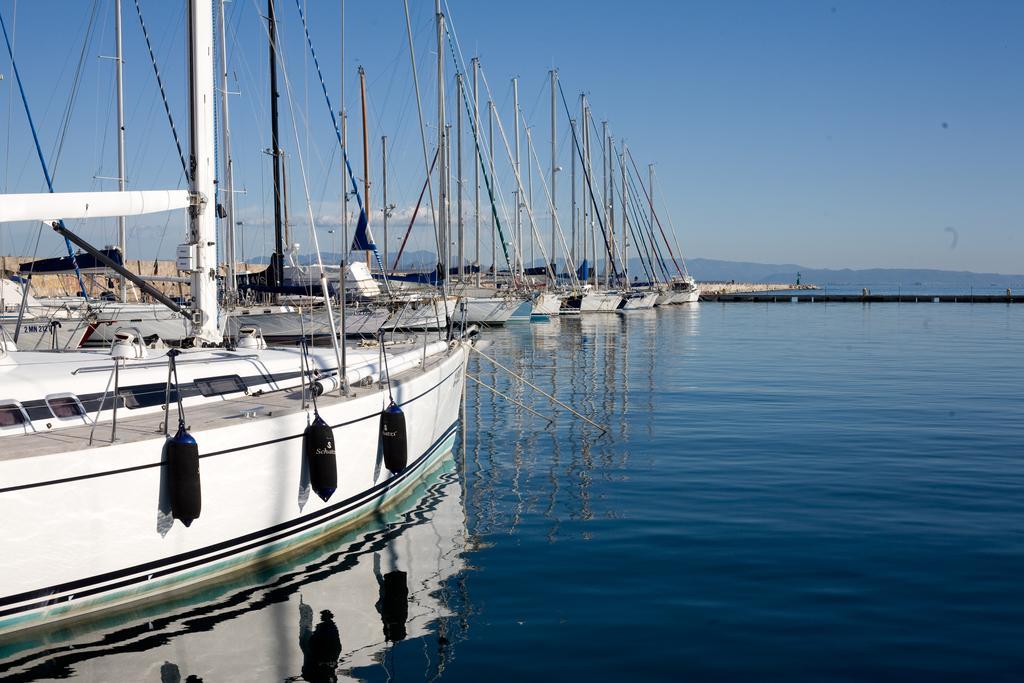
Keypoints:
pixel 510 399
pixel 541 391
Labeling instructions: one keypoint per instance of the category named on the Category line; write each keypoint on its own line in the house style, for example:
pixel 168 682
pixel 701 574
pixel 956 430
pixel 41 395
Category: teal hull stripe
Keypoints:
pixel 242 544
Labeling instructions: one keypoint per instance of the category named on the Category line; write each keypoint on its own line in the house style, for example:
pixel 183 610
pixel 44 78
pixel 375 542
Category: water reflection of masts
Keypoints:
pixel 556 453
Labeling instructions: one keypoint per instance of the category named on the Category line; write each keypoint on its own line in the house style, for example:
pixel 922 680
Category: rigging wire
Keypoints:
pixel 363 216
pixel 163 93
pixel 672 228
pixel 423 133
pixel 655 215
pixel 39 149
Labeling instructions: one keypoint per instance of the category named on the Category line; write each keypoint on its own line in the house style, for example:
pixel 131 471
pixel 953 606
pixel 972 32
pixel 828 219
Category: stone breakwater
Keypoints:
pixel 64 285
pixel 716 288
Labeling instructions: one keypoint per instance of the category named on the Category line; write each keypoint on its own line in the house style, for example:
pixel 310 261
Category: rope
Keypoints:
pixel 510 399
pixel 541 391
pixel 163 93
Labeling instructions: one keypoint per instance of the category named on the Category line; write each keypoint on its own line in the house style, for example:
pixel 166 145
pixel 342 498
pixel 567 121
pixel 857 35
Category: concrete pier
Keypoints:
pixel 1010 298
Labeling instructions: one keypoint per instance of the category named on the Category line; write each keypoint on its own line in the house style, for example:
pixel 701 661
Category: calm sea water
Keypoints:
pixel 798 492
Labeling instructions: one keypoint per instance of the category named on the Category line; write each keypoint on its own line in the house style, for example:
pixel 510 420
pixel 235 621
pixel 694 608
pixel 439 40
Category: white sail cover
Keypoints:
pixel 49 206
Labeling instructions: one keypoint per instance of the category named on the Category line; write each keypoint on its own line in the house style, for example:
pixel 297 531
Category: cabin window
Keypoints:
pixel 218 386
pixel 11 415
pixel 146 395
pixel 65 406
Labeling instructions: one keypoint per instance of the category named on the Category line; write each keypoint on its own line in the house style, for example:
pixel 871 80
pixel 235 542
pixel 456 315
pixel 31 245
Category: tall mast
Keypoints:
pixel 384 190
pixel 366 154
pixel 229 182
pixel 344 187
pixel 584 229
pixel 625 218
pixel 345 245
pixel 284 203
pixel 584 233
pixel 604 188
pixel 490 150
pixel 202 215
pixel 650 197
pixel 476 166
pixel 572 184
pixel 448 196
pixel 529 194
pixel 278 256
pixel 610 199
pixel 589 179
pixel 458 177
pixel 121 233
pixel 519 198
pixel 554 169
pixel 442 165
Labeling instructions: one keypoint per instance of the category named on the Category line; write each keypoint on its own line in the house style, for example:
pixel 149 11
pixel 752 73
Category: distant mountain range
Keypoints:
pixel 713 270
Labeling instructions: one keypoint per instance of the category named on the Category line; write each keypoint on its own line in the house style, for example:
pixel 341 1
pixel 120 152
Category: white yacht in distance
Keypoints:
pixel 29 324
pixel 130 472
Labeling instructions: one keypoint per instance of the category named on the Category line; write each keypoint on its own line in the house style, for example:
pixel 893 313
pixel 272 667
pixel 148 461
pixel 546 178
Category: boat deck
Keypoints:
pixel 137 428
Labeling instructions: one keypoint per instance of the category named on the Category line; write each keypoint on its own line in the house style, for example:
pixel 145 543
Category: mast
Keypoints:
pixel 625 218
pixel 366 154
pixel 610 199
pixel 554 169
pixel 441 146
pixel 529 195
pixel 458 177
pixel 277 262
pixel 476 166
pixel 448 195
pixel 572 184
pixel 284 204
pixel 344 188
pixel 202 215
pixel 121 232
pixel 345 245
pixel 588 179
pixel 384 190
pixel 584 232
pixel 585 242
pixel 229 183
pixel 519 198
pixel 490 150
pixel 650 184
pixel 604 188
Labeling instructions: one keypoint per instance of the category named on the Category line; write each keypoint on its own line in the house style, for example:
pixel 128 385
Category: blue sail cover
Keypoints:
pixel 65 265
pixel 583 272
pixel 427 278
pixel 363 240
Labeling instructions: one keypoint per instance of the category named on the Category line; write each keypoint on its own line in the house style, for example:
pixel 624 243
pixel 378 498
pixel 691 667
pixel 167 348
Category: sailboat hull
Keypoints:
pixel 547 304
pixel 487 310
pixel 90 528
pixel 292 323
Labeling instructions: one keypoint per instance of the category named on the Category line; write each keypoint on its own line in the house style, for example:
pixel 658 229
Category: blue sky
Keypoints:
pixel 830 134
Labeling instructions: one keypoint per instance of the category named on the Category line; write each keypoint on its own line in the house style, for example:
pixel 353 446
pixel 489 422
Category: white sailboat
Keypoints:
pixel 360 594
pixel 34 325
pixel 104 502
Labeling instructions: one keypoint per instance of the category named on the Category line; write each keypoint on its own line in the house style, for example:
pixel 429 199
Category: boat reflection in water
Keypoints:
pixel 323 615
